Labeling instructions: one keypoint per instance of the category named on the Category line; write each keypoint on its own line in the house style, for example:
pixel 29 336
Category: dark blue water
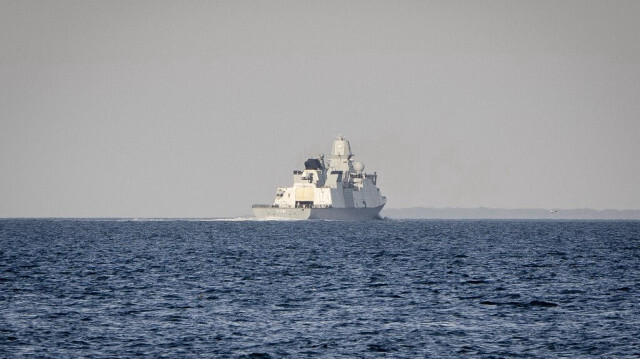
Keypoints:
pixel 88 288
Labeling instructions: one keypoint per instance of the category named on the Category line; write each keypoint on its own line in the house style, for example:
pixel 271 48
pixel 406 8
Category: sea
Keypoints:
pixel 240 288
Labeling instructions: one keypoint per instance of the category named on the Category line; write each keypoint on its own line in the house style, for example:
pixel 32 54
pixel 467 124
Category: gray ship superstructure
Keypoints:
pixel 329 188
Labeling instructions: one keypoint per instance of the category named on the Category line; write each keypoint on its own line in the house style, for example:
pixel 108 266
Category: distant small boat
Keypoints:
pixel 553 211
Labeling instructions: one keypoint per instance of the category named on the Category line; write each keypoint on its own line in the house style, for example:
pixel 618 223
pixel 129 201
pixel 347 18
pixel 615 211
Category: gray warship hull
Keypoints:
pixel 342 214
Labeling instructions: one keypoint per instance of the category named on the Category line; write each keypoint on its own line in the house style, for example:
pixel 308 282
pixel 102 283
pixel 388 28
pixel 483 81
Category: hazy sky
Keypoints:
pixel 202 108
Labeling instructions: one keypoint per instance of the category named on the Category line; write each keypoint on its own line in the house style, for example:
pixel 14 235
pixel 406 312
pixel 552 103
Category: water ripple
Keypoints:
pixel 271 289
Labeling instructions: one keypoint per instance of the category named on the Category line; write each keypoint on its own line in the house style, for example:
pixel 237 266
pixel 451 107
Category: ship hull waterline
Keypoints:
pixel 348 214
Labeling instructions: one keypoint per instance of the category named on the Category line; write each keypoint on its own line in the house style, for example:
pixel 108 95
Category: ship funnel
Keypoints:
pixel 341 147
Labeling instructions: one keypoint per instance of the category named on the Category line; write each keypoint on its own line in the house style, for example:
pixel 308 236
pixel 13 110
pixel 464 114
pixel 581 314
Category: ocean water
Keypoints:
pixel 278 289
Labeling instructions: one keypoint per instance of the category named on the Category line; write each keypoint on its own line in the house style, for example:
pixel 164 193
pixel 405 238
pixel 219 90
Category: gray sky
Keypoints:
pixel 200 109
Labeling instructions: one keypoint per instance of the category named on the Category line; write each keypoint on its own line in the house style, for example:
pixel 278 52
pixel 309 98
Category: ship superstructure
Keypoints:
pixel 333 187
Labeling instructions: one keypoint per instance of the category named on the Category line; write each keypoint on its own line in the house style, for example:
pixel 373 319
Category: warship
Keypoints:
pixel 332 188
